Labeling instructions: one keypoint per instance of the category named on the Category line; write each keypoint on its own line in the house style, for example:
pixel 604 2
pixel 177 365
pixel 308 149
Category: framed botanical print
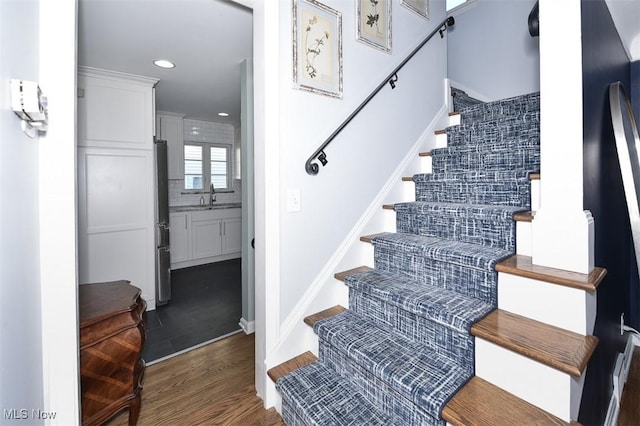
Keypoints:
pixel 317 48
pixel 421 7
pixel 374 23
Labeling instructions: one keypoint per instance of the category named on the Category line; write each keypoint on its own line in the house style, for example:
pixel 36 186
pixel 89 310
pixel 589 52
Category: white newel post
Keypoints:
pixel 563 233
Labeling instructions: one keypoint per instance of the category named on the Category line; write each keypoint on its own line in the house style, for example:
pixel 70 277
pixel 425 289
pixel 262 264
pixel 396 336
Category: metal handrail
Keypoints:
pixel 319 155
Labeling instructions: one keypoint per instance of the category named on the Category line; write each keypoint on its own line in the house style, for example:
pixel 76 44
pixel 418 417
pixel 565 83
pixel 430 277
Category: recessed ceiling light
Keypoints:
pixel 163 63
pixel 223 114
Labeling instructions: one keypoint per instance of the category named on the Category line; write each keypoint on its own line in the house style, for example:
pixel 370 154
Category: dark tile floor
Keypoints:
pixel 206 302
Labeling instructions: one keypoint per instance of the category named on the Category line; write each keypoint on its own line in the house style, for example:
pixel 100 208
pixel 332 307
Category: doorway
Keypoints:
pixel 145 30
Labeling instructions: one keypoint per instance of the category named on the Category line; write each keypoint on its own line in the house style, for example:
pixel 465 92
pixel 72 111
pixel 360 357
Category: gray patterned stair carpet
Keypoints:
pixel 403 348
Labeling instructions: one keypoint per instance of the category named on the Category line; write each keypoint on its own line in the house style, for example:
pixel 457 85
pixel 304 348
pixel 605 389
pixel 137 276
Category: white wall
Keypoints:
pixel 363 156
pixel 291 248
pixel 21 372
pixel 490 51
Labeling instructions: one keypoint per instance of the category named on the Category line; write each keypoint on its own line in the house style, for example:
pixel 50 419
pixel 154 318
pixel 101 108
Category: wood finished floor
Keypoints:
pixel 211 385
pixel 214 385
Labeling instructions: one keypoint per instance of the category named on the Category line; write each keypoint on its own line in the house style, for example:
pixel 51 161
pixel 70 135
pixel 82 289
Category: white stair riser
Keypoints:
pixel 561 306
pixel 535 195
pixel 454 120
pixel 441 140
pixel 523 238
pixel 540 385
pixel 427 164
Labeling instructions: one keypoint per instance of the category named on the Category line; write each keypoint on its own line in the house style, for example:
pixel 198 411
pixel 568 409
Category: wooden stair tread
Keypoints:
pixel 311 320
pixel 388 207
pixel 534 176
pixel 291 365
pixel 369 238
pixel 523 216
pixel 452 113
pixel 342 275
pixel 441 132
pixel 481 403
pixel 407 178
pixel 561 349
pixel 521 265
pixel 425 154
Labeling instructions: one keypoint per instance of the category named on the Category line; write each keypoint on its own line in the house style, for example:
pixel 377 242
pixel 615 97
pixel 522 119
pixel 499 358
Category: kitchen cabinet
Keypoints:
pixel 206 238
pixel 202 236
pixel 232 235
pixel 179 240
pixel 170 128
pixel 116 226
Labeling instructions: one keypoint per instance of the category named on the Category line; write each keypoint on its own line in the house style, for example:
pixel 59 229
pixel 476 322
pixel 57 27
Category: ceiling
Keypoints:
pixel 206 39
pixel 626 16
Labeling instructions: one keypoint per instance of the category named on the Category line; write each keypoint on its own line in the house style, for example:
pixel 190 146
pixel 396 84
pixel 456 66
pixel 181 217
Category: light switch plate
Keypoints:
pixel 293 200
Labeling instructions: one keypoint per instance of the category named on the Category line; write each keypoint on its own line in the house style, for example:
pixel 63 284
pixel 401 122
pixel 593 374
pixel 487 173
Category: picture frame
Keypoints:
pixel 373 25
pixel 317 48
pixel 421 7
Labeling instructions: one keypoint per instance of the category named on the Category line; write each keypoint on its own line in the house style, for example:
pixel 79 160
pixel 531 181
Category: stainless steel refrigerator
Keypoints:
pixel 163 253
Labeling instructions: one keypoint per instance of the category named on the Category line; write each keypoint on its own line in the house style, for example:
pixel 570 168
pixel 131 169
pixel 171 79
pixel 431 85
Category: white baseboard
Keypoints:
pixel 249 327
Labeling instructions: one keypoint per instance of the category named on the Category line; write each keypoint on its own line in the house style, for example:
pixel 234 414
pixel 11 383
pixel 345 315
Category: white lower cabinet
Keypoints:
pixel 232 236
pixel 204 236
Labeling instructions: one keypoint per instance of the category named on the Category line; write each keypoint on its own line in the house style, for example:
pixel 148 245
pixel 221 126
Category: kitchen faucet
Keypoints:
pixel 212 194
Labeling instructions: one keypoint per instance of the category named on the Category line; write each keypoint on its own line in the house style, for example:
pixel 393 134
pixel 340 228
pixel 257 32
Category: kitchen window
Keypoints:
pixel 205 164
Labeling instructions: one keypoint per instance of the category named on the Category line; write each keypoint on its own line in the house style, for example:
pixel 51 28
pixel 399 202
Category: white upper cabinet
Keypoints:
pixel 115 110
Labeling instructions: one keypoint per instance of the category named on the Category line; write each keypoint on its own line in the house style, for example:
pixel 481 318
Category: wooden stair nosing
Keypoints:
pixel 441 132
pixel 534 176
pixel 522 266
pixel 523 216
pixel 482 403
pixel 311 320
pixel 452 113
pixel 388 206
pixel 342 275
pixel 425 154
pixel 407 178
pixel 291 365
pixel 369 238
pixel 561 349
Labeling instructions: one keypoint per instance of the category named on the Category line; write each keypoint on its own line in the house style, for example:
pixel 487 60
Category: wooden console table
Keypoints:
pixel 112 335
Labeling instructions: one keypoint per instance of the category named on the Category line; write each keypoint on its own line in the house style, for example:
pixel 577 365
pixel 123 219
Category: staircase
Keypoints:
pixel 425 339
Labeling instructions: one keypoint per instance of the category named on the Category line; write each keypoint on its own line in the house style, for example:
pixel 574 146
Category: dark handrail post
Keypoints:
pixel 311 166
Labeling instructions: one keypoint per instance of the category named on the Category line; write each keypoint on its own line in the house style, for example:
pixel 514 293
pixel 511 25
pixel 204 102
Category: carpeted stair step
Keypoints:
pixel 443 160
pixel 316 395
pixel 487 225
pixel 435 317
pixel 506 130
pixel 479 403
pixel 492 110
pixel 407 380
pixel 508 187
pixel 462 267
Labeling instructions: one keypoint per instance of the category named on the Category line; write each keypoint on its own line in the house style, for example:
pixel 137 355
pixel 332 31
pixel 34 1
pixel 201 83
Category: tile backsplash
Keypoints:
pixel 204 131
pixel 179 197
